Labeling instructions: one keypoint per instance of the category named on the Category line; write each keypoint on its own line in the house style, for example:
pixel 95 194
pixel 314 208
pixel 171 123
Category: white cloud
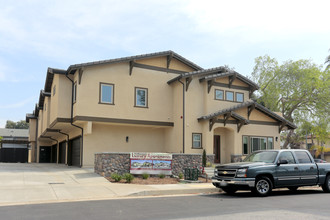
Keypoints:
pixel 18 104
pixel 259 20
pixel 3 122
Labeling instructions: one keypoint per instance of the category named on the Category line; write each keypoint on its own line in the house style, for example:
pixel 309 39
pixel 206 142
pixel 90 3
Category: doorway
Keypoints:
pixel 45 154
pixel 216 149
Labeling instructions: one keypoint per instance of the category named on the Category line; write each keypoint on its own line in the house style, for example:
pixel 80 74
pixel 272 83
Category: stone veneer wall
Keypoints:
pixel 107 163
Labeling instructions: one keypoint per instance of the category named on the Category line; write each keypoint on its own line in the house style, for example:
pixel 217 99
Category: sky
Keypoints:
pixel 37 34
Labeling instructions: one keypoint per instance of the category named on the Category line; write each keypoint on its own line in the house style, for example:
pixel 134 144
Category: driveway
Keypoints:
pixel 21 183
pixel 41 183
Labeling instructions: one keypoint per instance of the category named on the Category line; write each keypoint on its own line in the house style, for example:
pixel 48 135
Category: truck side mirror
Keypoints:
pixel 282 162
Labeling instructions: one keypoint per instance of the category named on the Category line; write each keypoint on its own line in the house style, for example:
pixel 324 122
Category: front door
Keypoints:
pixel 216 148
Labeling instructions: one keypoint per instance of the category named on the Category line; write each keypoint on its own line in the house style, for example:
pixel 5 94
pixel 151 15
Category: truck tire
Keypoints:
pixel 263 186
pixel 229 189
pixel 326 185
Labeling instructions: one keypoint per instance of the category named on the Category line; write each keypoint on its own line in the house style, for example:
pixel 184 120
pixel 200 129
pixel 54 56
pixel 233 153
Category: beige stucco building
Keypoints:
pixel 158 102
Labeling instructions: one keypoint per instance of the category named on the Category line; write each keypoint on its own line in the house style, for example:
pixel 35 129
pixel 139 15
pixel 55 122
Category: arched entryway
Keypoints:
pixel 223 144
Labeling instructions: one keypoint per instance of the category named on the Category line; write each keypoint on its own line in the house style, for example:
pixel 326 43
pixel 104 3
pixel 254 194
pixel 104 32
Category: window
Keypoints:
pixel 239 97
pixel 270 143
pixel 196 140
pixel 303 157
pixel 106 93
pixel 251 144
pixel 287 156
pixel 229 96
pixel 54 90
pixel 218 94
pixel 245 145
pixel 75 92
pixel 141 97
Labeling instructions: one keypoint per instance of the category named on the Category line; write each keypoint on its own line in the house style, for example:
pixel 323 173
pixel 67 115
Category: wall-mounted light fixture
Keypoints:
pixel 276 139
pixel 127 138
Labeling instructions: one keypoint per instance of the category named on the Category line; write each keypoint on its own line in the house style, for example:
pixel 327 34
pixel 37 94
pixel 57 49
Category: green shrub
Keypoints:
pixel 116 177
pixel 128 177
pixel 180 176
pixel 204 158
pixel 145 176
pixel 162 176
pixel 208 164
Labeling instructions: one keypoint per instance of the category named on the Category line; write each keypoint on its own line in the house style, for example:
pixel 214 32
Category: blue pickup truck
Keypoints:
pixel 263 171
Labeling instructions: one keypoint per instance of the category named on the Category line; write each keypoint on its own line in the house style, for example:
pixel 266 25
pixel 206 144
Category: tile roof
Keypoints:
pixel 130 58
pixel 214 73
pixel 5 132
pixel 246 104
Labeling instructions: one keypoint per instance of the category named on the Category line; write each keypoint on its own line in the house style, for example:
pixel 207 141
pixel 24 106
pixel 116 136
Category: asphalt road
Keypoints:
pixel 303 204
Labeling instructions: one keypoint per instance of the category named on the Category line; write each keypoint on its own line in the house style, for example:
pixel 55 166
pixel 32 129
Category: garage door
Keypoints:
pixel 74 152
pixel 14 155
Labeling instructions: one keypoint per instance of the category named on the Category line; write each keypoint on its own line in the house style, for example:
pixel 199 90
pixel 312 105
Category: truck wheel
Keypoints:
pixel 326 185
pixel 263 186
pixel 229 189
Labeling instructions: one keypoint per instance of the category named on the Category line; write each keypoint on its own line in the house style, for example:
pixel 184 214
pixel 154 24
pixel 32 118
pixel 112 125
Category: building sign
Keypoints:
pixel 150 163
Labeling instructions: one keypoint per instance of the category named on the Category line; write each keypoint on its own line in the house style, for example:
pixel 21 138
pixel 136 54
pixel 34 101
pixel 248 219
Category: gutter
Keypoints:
pixel 71 122
pixel 183 115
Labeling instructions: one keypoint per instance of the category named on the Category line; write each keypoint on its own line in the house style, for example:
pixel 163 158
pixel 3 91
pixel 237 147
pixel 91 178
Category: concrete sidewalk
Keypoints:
pixel 41 183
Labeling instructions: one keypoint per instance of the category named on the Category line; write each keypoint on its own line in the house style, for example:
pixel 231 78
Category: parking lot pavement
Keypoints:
pixel 40 183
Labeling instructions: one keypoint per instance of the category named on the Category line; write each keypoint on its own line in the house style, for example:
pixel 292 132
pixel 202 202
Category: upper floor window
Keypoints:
pixel 229 96
pixel 239 97
pixel 196 140
pixel 218 94
pixel 106 93
pixel 141 97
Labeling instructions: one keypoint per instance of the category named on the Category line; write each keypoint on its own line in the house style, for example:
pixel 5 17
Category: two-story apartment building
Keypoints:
pixel 158 102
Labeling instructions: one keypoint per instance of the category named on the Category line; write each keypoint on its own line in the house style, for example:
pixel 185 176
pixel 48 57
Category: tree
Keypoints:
pixel 297 89
pixel 17 125
pixel 319 151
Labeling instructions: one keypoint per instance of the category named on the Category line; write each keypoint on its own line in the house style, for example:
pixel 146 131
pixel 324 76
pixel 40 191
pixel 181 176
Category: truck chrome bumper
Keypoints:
pixel 239 182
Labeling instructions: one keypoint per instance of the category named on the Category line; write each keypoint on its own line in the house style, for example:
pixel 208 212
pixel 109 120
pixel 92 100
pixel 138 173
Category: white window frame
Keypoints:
pixel 136 98
pixel 197 141
pixel 112 86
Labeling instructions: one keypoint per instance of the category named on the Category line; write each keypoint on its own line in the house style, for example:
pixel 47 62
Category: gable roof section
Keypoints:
pixel 74 67
pixel 214 73
pixel 259 107
pixel 6 132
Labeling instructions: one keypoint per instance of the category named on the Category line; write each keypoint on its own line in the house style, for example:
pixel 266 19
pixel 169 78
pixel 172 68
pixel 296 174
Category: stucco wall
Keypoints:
pixel 112 138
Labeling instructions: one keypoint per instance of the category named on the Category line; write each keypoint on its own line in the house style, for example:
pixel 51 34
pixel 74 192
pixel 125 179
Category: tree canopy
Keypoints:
pixel 300 89
pixel 17 125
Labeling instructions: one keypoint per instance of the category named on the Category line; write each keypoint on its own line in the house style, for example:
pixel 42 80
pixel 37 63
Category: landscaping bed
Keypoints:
pixel 153 180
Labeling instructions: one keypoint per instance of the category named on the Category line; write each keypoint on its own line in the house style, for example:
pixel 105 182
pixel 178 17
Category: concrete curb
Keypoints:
pixel 170 192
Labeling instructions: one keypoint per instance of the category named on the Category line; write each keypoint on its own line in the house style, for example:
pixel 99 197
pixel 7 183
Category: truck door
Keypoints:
pixel 287 174
pixel 308 168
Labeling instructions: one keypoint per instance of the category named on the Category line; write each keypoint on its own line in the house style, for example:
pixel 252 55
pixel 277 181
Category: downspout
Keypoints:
pixel 71 121
pixel 183 115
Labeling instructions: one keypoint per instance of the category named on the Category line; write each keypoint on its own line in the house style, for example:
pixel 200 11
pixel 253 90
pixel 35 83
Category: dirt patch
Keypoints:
pixel 153 180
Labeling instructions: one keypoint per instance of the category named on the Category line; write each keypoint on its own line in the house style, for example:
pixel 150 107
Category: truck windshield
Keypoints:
pixel 262 156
